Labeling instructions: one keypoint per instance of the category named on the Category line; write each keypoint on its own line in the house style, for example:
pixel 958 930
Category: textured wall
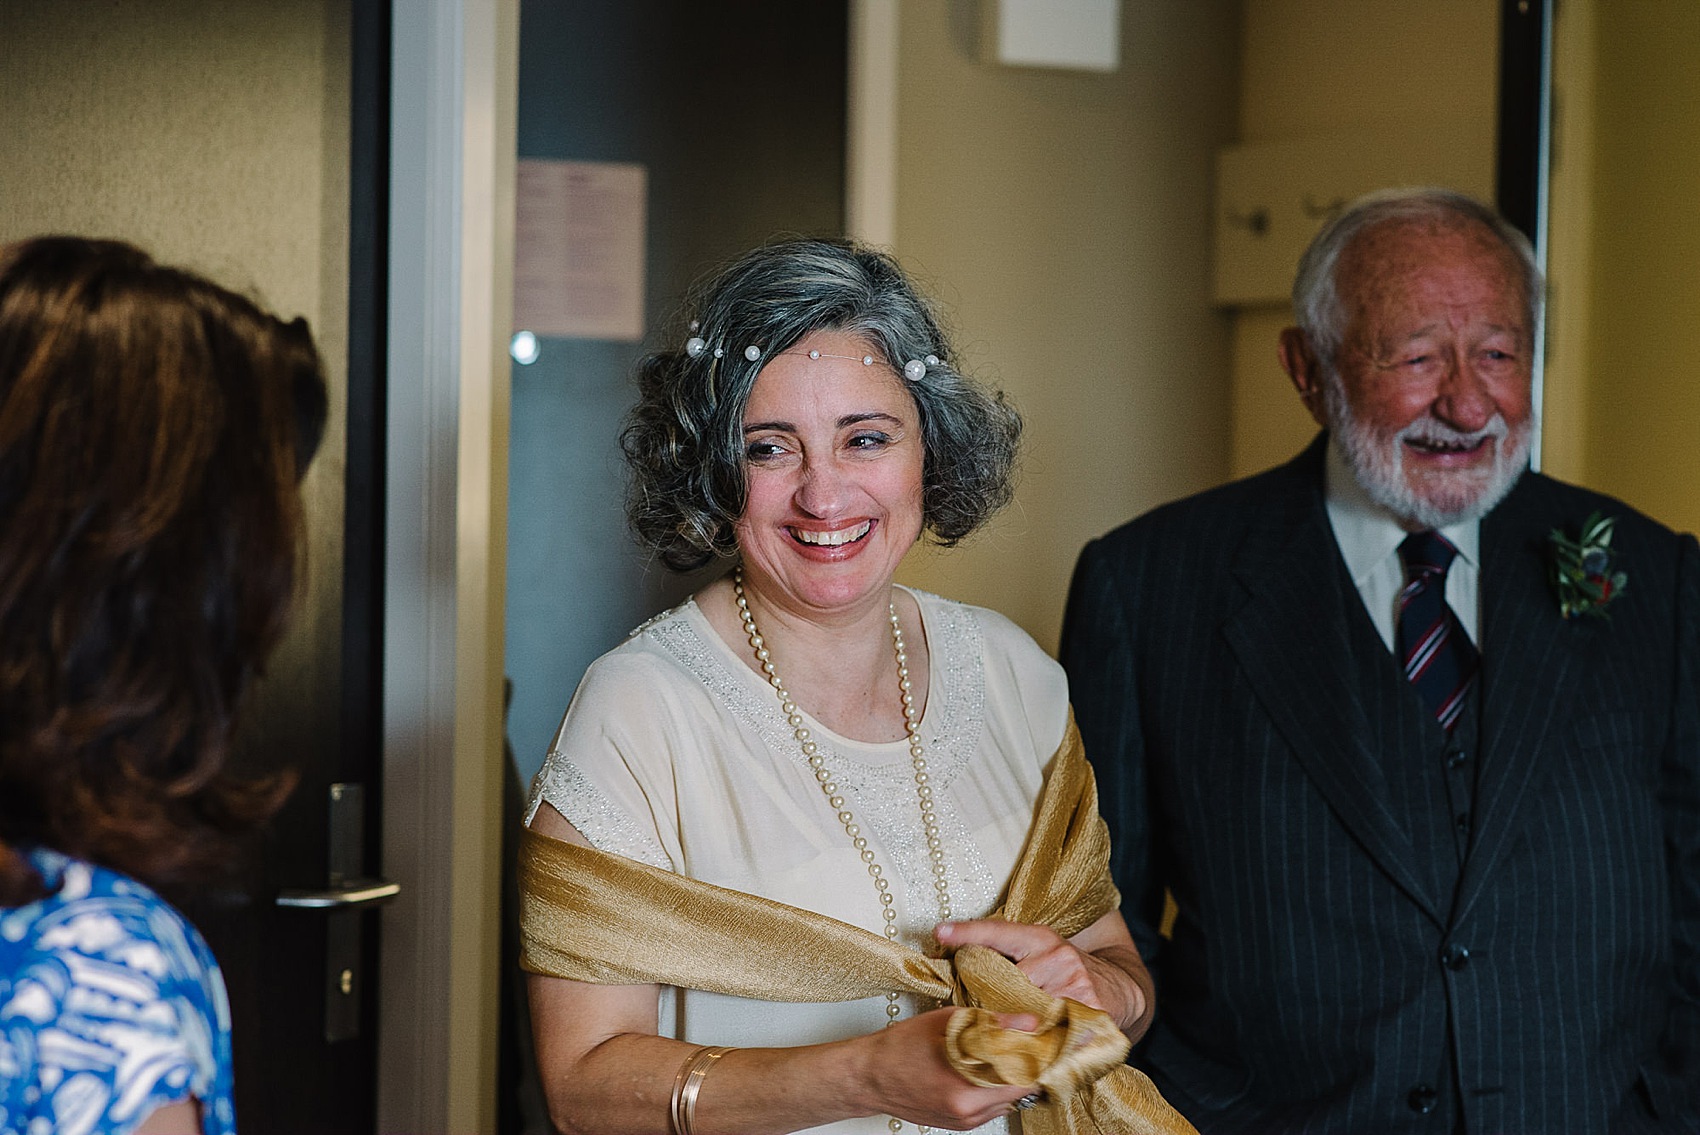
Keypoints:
pixel 1641 398
pixel 213 135
pixel 1063 220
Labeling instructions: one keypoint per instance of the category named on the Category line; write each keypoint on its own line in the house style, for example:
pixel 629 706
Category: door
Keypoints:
pixel 246 141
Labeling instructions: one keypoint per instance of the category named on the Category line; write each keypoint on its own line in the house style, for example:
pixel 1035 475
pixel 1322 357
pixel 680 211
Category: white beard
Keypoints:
pixel 1378 462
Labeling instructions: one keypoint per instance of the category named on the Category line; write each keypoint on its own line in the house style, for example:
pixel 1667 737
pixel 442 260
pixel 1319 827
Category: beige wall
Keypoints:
pixel 1310 67
pixel 1063 219
pixel 1630 298
pixel 216 137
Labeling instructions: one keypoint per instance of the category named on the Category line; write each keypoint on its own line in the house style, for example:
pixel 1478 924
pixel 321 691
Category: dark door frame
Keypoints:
pixel 1524 149
pixel 364 479
pixel 368 309
pixel 1525 116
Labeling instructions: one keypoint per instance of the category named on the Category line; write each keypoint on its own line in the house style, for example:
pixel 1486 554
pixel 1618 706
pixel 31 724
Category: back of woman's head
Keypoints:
pixel 153 429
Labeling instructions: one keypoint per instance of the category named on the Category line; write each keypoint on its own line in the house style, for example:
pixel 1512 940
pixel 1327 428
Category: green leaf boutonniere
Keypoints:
pixel 1583 573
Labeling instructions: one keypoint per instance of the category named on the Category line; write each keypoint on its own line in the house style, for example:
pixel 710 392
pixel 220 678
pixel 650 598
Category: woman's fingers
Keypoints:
pixel 1014 940
pixel 1023 1022
pixel 914 1081
pixel 1106 974
pixel 1048 960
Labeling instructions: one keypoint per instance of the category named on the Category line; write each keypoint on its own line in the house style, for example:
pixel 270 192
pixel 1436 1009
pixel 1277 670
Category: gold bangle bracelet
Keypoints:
pixel 683 1107
pixel 678 1090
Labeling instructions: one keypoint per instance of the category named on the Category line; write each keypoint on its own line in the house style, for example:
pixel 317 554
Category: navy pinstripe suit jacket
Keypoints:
pixel 1324 973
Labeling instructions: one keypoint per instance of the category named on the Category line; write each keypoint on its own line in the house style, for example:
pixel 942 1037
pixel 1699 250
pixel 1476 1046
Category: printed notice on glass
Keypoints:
pixel 578 249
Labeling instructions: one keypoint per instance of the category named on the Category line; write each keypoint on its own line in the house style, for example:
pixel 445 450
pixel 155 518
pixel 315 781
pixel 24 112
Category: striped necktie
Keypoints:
pixel 1439 659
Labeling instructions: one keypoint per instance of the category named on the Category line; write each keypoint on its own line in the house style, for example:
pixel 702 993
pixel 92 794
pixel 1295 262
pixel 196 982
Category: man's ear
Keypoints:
pixel 1301 365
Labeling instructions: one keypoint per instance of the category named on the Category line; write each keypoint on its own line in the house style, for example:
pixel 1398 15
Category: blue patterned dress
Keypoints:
pixel 111 1006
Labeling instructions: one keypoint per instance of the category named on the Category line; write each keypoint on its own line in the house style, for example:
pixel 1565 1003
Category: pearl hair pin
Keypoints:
pixel 914 370
pixel 865 360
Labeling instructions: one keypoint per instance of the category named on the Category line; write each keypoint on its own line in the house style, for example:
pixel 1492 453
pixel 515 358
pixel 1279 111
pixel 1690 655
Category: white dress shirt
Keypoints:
pixel 1369 539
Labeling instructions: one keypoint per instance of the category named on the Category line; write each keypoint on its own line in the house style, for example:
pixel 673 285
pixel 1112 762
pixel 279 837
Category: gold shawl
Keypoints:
pixel 591 916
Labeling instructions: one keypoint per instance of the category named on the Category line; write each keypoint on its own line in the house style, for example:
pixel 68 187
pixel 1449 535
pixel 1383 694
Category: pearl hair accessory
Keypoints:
pixel 914 370
pixel 823 776
pixel 865 360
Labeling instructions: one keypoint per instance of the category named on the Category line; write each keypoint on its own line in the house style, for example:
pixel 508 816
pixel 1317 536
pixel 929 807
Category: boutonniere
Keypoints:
pixel 1582 569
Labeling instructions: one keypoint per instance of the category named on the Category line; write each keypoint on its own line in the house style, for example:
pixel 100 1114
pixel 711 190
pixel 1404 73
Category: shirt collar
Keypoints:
pixel 1367 533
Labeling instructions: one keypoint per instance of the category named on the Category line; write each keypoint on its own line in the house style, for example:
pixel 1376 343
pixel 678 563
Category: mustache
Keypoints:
pixel 1429 430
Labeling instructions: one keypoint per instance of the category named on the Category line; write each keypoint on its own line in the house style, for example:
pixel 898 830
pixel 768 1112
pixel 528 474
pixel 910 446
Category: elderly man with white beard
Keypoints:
pixel 1399 743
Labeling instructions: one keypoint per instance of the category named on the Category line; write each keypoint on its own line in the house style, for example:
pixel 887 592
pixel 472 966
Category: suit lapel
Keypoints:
pixel 1293 638
pixel 1530 656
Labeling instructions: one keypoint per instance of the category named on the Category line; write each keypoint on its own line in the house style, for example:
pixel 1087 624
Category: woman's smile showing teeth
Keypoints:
pixel 834 538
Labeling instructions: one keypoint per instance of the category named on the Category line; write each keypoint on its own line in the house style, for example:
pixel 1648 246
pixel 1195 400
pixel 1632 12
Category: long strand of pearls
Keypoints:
pixel 829 786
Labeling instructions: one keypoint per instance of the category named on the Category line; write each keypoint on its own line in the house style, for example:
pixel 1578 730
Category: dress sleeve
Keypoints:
pixel 1022 679
pixel 609 771
pixel 113 1009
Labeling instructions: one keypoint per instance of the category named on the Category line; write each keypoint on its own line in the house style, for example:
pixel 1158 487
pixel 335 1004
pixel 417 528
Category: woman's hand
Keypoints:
pixel 1097 967
pixel 909 1076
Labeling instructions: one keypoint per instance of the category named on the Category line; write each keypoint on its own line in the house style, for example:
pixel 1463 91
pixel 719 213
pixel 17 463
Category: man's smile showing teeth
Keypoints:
pixel 1425 445
pixel 832 539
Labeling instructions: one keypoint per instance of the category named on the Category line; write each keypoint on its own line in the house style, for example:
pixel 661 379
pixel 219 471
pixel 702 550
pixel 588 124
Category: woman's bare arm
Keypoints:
pixel 180 1118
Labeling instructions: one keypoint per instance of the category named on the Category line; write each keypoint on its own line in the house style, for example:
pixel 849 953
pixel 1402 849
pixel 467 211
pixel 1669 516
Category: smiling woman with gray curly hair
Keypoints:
pixel 684 439
pixel 771 816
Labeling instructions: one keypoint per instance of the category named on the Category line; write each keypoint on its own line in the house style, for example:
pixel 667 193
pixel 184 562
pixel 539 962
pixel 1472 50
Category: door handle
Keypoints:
pixel 357 892
pixel 350 892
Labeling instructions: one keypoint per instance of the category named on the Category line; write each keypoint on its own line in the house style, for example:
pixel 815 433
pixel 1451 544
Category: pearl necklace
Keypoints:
pixel 823 777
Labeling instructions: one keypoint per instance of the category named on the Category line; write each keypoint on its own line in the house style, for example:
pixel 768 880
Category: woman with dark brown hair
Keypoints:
pixel 153 430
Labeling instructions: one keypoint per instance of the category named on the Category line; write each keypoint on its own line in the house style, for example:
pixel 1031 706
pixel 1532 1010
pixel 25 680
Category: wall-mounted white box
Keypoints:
pixel 1080 34
pixel 1272 197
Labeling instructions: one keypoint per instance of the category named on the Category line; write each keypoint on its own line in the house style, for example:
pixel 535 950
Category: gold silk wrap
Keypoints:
pixel 592 916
